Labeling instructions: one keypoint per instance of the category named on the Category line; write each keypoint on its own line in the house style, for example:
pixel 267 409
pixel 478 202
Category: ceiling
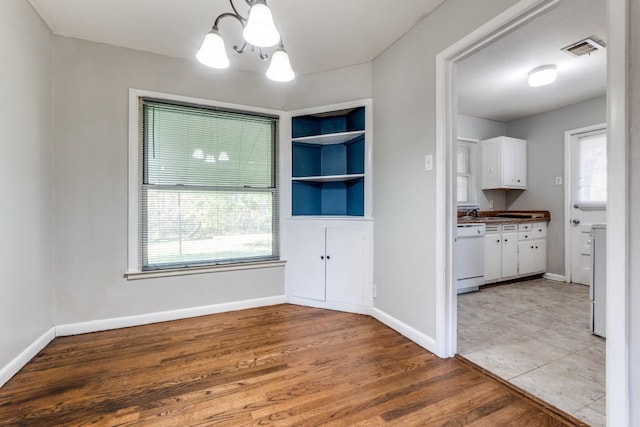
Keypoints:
pixel 492 83
pixel 323 35
pixel 319 35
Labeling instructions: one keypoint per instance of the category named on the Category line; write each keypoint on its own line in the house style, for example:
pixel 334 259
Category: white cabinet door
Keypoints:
pixel 526 257
pixel 492 257
pixel 345 265
pixel 540 260
pixel 491 165
pixel 305 268
pixel 504 163
pixel 509 254
pixel 514 168
pixel 520 161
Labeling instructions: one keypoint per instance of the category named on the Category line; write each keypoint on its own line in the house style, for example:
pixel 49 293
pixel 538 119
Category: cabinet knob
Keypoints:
pixel 506 240
pixel 498 241
pixel 518 180
pixel 526 237
pixel 328 257
pixel 540 230
pixel 321 256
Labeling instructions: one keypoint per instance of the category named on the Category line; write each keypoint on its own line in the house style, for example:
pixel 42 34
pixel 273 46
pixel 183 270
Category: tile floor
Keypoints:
pixel 535 334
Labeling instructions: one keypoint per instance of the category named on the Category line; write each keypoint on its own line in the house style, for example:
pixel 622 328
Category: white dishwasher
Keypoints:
pixel 470 257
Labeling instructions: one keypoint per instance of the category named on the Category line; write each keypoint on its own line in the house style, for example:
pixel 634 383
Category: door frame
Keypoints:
pixel 618 387
pixel 568 189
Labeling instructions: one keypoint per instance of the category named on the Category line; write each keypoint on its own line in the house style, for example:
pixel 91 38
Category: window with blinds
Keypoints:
pixel 209 190
pixel 592 170
pixel 465 171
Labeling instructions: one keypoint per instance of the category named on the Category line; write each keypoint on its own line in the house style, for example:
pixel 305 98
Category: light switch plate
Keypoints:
pixel 428 162
pixel 558 180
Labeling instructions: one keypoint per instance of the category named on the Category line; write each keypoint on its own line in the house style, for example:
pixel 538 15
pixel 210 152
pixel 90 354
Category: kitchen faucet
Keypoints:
pixel 473 211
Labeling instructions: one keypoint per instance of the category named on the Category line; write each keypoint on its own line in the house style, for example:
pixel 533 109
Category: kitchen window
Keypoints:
pixel 466 172
pixel 207 193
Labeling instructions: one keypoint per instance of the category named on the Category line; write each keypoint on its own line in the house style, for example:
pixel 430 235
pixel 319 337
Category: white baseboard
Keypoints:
pixel 163 316
pixel 555 277
pixel 413 334
pixel 12 368
pixel 329 305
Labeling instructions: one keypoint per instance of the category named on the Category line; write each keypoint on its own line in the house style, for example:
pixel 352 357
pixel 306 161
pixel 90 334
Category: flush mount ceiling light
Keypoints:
pixel 543 75
pixel 259 32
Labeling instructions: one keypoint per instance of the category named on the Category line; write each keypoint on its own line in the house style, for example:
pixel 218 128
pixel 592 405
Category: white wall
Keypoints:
pixel 91 84
pixel 545 161
pixel 26 283
pixel 478 128
pixel 634 294
pixel 404 131
pixel 330 87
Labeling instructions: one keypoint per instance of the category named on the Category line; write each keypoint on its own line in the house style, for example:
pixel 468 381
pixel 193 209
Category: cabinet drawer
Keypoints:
pixel 524 227
pixel 493 229
pixel 539 230
pixel 509 228
pixel 526 235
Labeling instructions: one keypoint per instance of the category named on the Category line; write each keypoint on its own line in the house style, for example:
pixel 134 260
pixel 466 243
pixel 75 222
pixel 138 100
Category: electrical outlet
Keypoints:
pixel 490 204
pixel 558 180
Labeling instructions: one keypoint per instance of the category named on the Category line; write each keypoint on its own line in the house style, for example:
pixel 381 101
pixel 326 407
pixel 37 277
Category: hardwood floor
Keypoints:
pixel 281 365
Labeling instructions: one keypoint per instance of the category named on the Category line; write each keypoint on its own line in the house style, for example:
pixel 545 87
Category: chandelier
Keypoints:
pixel 258 32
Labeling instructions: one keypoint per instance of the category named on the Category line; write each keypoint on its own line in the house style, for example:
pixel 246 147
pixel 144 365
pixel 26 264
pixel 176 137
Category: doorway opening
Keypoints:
pixel 527 12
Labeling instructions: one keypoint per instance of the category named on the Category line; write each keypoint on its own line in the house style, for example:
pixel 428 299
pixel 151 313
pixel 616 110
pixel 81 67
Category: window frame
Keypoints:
pixel 473 173
pixel 135 181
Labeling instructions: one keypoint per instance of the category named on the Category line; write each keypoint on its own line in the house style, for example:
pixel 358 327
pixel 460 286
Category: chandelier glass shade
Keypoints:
pixel 258 32
pixel 212 53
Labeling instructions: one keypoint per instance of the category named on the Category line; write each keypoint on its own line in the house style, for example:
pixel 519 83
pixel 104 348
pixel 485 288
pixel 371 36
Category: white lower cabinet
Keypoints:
pixel 493 253
pixel 532 248
pixel 500 252
pixel 514 250
pixel 509 252
pixel 330 261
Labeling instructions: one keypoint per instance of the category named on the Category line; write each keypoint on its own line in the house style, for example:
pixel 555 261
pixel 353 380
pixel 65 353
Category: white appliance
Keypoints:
pixel 598 288
pixel 470 257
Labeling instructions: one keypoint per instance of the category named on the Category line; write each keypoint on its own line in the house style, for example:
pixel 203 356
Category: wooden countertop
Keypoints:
pixel 505 217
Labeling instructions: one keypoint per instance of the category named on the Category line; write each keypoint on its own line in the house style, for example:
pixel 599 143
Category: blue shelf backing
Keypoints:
pixel 355 197
pixel 355 155
pixel 306 198
pixel 334 198
pixel 305 159
pixel 328 198
pixel 321 125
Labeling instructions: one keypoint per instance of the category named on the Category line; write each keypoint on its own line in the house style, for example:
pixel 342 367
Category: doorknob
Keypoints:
pixel 575 221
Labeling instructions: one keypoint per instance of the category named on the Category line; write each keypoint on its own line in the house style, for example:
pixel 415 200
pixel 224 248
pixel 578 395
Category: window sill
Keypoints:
pixel 152 274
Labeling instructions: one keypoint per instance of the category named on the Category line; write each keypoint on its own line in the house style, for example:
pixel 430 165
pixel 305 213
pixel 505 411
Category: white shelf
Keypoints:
pixel 329 178
pixel 330 138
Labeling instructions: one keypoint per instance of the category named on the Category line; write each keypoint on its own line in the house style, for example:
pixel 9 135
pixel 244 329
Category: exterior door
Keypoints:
pixel 588 200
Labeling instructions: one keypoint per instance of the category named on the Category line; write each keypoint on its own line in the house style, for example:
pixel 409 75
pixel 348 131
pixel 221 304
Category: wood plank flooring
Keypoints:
pixel 280 365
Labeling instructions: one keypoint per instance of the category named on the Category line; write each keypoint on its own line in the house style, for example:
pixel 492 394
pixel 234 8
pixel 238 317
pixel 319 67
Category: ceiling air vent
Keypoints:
pixel 584 47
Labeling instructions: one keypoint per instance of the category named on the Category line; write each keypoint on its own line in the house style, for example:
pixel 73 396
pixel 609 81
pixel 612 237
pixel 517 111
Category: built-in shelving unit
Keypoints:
pixel 328 163
pixel 329 246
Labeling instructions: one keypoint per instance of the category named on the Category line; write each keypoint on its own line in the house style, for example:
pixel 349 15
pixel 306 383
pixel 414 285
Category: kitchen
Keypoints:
pixel 537 328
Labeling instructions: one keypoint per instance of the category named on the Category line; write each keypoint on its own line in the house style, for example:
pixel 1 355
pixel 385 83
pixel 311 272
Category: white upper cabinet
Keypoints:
pixel 504 163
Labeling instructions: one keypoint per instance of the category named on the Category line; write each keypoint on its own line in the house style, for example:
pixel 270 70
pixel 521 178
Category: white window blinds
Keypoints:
pixel 209 192
pixel 464 172
pixel 592 170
